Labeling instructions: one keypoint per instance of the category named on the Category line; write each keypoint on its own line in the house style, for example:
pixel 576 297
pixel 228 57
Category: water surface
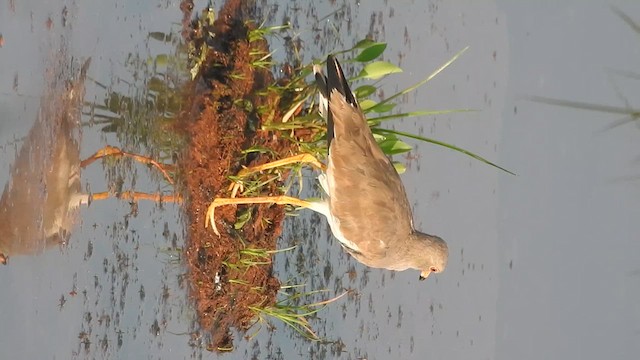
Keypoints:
pixel 543 264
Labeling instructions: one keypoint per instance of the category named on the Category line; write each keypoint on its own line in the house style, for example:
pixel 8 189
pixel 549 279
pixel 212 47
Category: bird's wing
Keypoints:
pixel 366 193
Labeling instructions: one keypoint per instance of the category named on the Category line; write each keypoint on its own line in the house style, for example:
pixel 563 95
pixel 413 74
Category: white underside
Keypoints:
pixel 323 208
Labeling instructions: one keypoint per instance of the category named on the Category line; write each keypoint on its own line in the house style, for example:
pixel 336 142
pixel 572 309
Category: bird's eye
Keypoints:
pixel 433 269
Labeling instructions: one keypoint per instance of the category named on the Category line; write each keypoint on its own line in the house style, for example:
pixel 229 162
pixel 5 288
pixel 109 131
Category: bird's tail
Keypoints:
pixel 335 80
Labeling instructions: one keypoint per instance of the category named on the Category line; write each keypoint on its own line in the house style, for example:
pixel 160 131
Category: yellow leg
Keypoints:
pixel 300 158
pixel 280 200
pixel 136 196
pixel 114 151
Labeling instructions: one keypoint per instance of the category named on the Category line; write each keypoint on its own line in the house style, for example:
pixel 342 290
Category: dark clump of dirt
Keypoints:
pixel 219 126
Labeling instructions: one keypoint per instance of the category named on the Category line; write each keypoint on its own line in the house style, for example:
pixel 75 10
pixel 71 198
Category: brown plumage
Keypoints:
pixel 368 207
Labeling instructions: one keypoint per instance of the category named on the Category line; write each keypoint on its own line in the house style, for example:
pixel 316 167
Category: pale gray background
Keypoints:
pixel 544 265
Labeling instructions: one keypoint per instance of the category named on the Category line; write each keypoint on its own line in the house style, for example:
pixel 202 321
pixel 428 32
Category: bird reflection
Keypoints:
pixel 38 203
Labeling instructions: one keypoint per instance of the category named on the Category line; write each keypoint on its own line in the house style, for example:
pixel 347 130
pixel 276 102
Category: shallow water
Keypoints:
pixel 543 264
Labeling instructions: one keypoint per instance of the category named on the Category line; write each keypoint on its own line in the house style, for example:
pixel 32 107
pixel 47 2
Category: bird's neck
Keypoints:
pixel 429 244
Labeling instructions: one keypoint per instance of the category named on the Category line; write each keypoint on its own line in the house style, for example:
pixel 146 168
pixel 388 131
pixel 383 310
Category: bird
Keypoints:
pixel 365 202
pixel 38 203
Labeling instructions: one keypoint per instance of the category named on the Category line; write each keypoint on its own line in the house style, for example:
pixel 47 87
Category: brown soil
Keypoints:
pixel 219 129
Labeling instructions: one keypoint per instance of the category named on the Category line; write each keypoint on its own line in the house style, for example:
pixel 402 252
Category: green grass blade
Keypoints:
pixel 428 78
pixel 416 113
pixel 586 106
pixel 632 114
pixel 627 19
pixel 362 44
pixel 449 146
pixel 382 108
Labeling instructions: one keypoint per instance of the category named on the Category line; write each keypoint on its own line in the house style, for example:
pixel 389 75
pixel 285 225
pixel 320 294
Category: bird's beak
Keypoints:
pixel 424 275
pixel 3 259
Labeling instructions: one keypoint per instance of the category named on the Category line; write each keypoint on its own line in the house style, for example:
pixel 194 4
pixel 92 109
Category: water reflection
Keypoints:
pixel 38 204
pixel 114 288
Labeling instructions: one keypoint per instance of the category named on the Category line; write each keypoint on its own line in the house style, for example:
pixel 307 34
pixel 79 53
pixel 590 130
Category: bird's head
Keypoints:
pixel 435 255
